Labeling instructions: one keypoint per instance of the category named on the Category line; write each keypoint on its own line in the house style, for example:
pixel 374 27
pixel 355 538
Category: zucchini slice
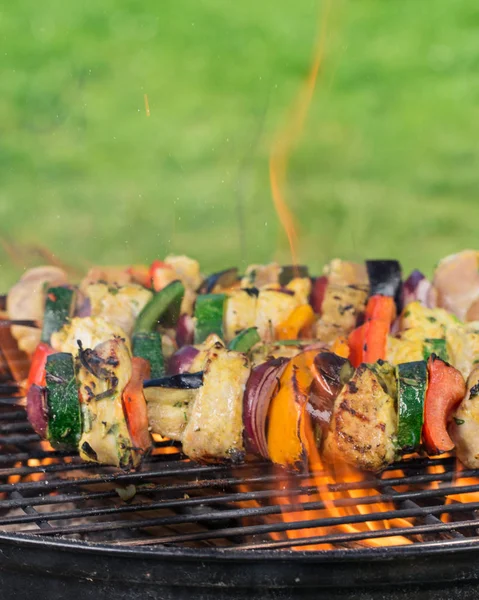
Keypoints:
pixel 209 312
pixel 59 307
pixel 162 309
pixel 245 340
pixel 64 418
pixel 149 347
pixel 412 385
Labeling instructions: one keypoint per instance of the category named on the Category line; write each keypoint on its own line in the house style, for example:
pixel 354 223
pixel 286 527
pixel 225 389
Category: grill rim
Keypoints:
pixel 386 553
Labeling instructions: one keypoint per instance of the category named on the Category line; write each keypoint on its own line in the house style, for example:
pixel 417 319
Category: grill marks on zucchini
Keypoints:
pixel 412 384
pixel 64 421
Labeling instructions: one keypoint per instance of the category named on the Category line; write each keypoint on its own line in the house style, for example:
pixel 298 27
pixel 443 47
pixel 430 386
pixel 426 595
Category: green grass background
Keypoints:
pixel 388 164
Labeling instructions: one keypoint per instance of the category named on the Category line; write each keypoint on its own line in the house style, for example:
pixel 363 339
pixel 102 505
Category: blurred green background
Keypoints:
pixel 387 164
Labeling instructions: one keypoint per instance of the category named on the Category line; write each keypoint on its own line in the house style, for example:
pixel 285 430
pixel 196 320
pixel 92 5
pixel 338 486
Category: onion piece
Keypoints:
pixel 181 360
pixel 418 289
pixel 185 330
pixel 318 291
pixel 37 411
pixel 261 387
pixel 331 373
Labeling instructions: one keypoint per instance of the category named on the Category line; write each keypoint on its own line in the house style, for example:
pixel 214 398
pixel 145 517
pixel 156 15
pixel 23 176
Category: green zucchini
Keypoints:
pixel 59 307
pixel 162 309
pixel 245 340
pixel 412 385
pixel 435 346
pixel 209 312
pixel 149 346
pixel 64 418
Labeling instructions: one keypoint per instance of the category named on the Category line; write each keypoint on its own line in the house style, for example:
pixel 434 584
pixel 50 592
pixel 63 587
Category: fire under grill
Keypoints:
pixel 251 529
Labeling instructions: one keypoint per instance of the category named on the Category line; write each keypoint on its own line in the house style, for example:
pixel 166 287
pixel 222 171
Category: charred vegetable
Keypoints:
pixel 63 406
pixel 245 340
pixel 59 307
pixel 289 272
pixel 411 385
pixel 385 279
pixel 209 310
pixel 222 279
pixel 162 309
pixel 148 346
pixel 262 385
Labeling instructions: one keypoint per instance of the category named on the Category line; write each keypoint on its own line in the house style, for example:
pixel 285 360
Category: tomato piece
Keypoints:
pixel 445 391
pixel 36 374
pixel 134 405
pixel 318 291
pixel 140 274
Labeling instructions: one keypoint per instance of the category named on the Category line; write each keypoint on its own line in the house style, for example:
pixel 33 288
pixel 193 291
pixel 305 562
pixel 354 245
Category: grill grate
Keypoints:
pixel 48 493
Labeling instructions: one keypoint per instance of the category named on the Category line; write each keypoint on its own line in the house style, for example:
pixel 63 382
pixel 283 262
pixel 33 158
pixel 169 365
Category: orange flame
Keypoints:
pixel 287 138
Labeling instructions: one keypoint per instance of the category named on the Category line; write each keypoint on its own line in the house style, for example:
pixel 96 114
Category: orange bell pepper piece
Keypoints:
pixel 287 417
pixel 340 347
pixel 301 318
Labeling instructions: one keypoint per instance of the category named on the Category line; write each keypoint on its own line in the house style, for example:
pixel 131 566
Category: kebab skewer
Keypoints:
pixel 367 344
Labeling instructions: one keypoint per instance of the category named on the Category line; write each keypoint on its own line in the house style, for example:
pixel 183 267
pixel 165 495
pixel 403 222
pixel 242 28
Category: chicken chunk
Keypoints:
pixel 90 331
pixel 456 280
pixel 240 312
pixel 119 306
pixel 26 300
pixel 363 427
pixel 341 308
pixel 464 427
pixel 215 423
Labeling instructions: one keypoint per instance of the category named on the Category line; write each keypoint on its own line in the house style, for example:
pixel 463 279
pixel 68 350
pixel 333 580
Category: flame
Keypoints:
pixel 287 138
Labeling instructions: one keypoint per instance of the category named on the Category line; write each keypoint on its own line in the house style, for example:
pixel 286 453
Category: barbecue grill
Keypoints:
pixel 178 529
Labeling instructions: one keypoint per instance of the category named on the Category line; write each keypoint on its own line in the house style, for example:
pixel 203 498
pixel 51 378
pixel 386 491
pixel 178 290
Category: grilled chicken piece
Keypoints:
pixel 301 286
pixel 240 312
pixel 342 305
pixel 215 424
pixel 456 280
pixel 103 374
pixel 343 272
pixel 168 410
pixel 273 307
pixel 464 427
pixel 119 306
pixel 363 427
pixel 89 331
pixel 26 300
pixel 116 276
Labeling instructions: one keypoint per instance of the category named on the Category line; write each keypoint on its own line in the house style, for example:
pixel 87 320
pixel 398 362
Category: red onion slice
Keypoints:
pixel 261 386
pixel 418 289
pixel 37 412
pixel 331 373
pixel 185 329
pixel 181 360
pixel 318 291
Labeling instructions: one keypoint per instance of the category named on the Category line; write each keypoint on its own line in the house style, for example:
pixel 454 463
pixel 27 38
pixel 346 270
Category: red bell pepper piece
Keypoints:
pixel 161 274
pixel 446 388
pixel 368 343
pixel 37 367
pixel 134 405
pixel 318 291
